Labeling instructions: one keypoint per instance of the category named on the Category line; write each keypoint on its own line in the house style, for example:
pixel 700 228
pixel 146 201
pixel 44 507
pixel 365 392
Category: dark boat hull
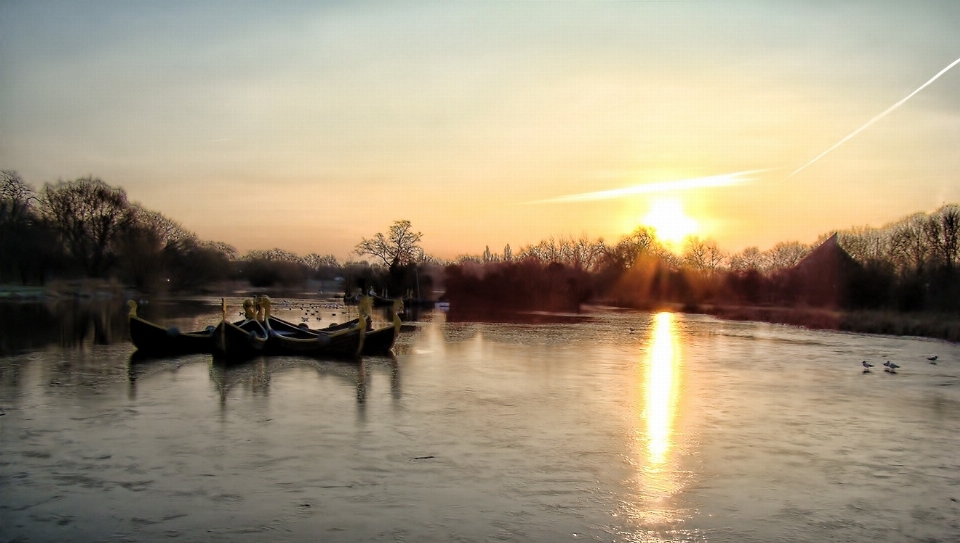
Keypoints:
pixel 150 338
pixel 380 341
pixel 239 341
pixel 287 338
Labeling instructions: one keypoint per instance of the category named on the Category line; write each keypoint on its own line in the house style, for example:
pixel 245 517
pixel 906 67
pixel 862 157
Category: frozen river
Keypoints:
pixel 616 426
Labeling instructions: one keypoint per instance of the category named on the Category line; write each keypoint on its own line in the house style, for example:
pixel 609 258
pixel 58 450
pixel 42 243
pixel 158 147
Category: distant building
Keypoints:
pixel 824 277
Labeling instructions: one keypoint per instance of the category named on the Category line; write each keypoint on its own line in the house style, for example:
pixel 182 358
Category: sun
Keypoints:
pixel 671 224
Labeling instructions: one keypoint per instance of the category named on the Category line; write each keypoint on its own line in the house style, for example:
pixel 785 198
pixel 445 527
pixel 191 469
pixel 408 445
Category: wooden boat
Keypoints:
pixel 381 341
pixel 239 341
pixel 152 339
pixel 336 326
pixel 287 338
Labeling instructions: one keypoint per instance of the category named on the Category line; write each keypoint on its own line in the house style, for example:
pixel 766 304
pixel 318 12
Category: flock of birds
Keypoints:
pixel 314 310
pixel 890 367
pixel 310 309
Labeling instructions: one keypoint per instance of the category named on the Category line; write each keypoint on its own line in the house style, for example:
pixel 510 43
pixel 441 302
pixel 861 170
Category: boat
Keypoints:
pixel 284 337
pixel 152 339
pixel 335 326
pixel 381 341
pixel 240 340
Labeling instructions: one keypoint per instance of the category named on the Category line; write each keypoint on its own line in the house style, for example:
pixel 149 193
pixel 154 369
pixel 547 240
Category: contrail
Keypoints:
pixel 878 117
pixel 665 186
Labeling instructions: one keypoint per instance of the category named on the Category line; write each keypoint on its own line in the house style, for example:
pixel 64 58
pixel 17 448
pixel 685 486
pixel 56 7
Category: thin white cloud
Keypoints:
pixel 723 180
pixel 877 118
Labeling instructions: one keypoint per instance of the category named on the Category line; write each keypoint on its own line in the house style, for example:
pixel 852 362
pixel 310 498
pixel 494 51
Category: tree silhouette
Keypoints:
pixel 15 198
pixel 399 247
pixel 87 215
pixel 943 231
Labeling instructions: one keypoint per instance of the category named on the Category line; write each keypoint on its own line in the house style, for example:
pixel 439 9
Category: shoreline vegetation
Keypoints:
pixel 890 323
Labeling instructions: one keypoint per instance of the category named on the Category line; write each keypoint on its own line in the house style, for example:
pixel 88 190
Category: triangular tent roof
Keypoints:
pixel 829 255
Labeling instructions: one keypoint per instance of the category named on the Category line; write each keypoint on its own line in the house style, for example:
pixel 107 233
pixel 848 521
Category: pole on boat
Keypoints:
pixel 223 325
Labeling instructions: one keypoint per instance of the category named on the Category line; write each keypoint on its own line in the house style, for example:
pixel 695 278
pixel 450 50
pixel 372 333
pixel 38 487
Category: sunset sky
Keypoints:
pixel 309 125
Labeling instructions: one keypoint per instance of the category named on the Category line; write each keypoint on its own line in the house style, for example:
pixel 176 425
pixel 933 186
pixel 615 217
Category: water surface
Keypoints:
pixel 623 426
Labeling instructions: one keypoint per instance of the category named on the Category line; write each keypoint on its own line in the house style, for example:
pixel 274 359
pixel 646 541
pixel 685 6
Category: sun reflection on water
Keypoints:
pixel 655 458
pixel 660 389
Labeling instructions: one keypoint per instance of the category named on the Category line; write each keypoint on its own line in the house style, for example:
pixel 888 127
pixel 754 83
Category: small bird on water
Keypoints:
pixel 891 367
pixel 867 365
pixel 932 359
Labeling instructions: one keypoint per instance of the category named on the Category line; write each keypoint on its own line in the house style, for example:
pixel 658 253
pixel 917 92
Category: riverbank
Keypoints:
pixel 86 288
pixel 99 288
pixel 931 325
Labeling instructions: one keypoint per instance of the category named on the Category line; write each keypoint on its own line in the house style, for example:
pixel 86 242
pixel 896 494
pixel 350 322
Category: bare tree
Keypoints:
pixel 547 251
pixel 227 250
pixel 145 248
pixel 430 260
pixel 787 254
pixel 275 255
pixel 943 235
pixel 703 255
pixel 468 259
pixel 488 256
pixel 88 215
pixel 19 234
pixel 195 263
pixel 15 197
pixel 909 246
pixel 399 247
pixel 318 262
pixel 867 245
pixel 750 259
pixel 586 254
pixel 167 231
pixel 641 241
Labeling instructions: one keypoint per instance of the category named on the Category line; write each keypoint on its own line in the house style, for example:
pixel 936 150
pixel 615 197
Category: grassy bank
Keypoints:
pixel 938 326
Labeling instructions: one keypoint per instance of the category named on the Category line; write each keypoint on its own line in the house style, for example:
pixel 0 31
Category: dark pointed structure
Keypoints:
pixel 823 278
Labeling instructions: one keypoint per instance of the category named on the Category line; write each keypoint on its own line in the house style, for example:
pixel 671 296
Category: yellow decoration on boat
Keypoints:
pixel 249 309
pixel 397 309
pixel 264 302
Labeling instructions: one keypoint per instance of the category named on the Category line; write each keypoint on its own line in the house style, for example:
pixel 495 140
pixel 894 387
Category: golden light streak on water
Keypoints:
pixel 657 478
pixel 661 389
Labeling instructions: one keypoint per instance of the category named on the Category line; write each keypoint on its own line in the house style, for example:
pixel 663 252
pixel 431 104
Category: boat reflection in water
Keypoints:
pixel 253 376
pixel 658 377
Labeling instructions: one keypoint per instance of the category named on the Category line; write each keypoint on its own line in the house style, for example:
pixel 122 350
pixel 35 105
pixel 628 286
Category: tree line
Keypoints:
pixel 912 264
pixel 86 228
